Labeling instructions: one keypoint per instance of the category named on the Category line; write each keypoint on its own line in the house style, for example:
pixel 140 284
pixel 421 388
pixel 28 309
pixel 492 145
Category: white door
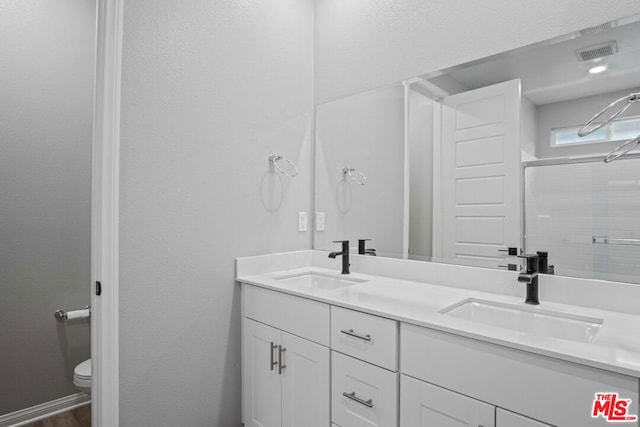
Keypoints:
pixel 509 419
pixel 425 405
pixel 305 383
pixel 262 384
pixel 480 173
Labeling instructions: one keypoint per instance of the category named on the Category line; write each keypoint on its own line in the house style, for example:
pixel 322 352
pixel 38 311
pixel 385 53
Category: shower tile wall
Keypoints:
pixel 567 205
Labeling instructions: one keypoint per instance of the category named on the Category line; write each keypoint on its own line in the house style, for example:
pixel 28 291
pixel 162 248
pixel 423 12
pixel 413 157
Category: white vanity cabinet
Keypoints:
pixel 313 364
pixel 285 376
pixel 364 369
pixel 426 405
pixel 362 394
pixel 550 390
pixel 366 337
pixel 509 419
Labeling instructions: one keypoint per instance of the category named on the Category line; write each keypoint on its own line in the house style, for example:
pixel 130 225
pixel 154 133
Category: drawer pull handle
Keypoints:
pixel 272 362
pixel 353 334
pixel 352 396
pixel 281 351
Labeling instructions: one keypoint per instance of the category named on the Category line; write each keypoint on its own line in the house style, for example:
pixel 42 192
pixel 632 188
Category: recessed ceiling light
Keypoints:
pixel 598 69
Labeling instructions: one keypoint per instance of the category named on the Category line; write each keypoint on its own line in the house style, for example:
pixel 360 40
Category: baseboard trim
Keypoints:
pixel 44 410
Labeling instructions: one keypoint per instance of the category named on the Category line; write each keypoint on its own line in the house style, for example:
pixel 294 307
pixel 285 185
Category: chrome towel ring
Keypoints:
pixel 589 127
pixel 275 158
pixel 630 99
pixel 357 176
pixel 623 149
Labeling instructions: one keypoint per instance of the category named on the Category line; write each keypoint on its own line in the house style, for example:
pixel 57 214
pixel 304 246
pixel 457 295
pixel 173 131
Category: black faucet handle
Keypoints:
pixel 531 261
pixel 362 246
pixel 345 245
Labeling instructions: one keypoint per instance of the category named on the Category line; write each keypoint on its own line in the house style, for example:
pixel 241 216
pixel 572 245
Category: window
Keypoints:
pixel 618 130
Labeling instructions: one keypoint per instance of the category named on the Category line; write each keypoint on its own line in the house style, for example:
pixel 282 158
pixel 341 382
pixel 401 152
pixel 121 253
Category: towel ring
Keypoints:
pixel 623 149
pixel 586 130
pixel 274 159
pixel 357 176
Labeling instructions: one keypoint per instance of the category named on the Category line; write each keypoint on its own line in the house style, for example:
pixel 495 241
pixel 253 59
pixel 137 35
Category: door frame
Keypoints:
pixel 105 214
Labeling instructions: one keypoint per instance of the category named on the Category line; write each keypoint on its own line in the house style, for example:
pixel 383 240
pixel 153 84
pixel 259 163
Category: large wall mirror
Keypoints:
pixel 460 165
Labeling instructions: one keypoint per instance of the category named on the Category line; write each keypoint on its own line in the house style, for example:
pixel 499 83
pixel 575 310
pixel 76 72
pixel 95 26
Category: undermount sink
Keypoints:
pixel 526 319
pixel 315 280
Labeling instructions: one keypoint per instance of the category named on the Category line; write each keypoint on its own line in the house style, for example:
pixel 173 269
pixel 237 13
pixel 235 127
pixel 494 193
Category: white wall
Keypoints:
pixel 363 44
pixel 210 89
pixel 46 78
pixel 365 132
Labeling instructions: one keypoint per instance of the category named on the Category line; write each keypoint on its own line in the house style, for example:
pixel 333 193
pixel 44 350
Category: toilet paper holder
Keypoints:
pixel 64 315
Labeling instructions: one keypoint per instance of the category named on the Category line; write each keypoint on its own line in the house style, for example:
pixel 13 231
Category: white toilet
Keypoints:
pixel 82 376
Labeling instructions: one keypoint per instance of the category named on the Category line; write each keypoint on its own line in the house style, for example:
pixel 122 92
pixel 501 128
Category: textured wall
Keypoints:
pixel 210 89
pixel 46 78
pixel 363 44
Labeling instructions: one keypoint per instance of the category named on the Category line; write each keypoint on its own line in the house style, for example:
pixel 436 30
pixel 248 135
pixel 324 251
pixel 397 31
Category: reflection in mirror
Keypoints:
pixel 485 157
pixel 365 135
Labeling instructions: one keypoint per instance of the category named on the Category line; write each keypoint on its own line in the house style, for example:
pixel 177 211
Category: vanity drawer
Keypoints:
pixel 370 338
pixel 299 316
pixel 551 390
pixel 372 393
pixel 423 404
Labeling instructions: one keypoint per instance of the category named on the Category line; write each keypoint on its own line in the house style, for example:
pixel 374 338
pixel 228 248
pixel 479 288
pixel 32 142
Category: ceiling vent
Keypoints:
pixel 597 51
pixel 596 29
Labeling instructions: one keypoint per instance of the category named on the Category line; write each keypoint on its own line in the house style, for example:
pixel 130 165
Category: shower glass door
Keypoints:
pixel 587 216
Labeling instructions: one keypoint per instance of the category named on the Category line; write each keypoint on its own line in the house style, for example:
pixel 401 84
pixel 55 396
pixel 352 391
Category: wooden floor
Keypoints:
pixel 80 417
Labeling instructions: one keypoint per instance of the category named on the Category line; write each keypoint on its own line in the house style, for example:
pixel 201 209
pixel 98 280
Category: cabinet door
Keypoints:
pixel 509 419
pixel 305 383
pixel 425 405
pixel 363 395
pixel 261 383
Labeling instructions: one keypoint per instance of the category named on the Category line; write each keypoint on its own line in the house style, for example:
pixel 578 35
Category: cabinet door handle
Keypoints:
pixel 352 396
pixel 281 364
pixel 353 334
pixel 271 358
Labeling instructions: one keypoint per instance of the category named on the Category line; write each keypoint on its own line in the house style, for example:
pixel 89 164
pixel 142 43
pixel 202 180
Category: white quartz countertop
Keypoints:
pixel 615 347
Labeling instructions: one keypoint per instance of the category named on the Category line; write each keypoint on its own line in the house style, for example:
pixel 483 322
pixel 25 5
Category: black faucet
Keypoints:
pixel 362 250
pixel 543 263
pixel 530 277
pixel 344 254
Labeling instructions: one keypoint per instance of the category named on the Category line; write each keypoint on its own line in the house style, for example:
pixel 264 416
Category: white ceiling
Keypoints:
pixel 552 73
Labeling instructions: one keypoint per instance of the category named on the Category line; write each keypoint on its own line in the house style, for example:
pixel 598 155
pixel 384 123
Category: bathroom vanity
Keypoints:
pixel 380 348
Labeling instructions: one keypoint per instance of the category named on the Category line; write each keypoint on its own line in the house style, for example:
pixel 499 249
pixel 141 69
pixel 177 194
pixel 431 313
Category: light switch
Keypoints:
pixel 319 221
pixel 303 221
